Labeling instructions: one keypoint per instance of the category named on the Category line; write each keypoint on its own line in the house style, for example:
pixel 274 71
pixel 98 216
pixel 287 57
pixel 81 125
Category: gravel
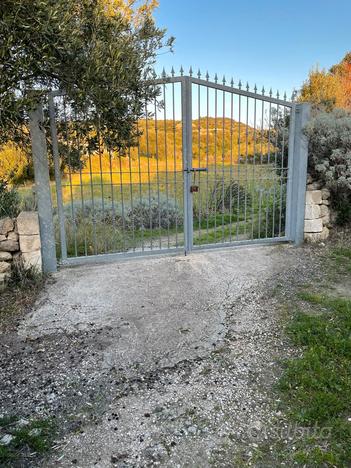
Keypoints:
pixel 204 409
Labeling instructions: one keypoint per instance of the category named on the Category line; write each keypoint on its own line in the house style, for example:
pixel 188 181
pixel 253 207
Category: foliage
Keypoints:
pixel 330 157
pixel 34 438
pixel 329 89
pixel 229 196
pixel 24 276
pixel 275 142
pixel 144 214
pixel 272 219
pixel 96 53
pixel 154 213
pixel 15 166
pixel 280 139
pixel 86 237
pixel 102 227
pixel 96 211
pixel 9 200
pixel 133 11
pixel 317 385
pixel 28 200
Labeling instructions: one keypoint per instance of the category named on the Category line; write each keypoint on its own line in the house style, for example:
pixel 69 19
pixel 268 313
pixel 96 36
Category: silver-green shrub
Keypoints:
pixel 330 157
pixel 154 213
pixel 9 200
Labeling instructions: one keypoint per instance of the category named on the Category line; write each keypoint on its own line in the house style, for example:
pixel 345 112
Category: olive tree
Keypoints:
pixel 100 56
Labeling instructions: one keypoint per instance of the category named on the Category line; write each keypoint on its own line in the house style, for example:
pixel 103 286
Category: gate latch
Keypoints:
pixel 194 188
pixel 196 169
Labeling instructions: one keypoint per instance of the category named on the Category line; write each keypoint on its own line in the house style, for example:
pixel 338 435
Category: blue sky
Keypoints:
pixel 271 43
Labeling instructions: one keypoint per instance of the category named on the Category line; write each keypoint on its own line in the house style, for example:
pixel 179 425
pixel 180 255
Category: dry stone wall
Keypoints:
pixel 318 217
pixel 19 241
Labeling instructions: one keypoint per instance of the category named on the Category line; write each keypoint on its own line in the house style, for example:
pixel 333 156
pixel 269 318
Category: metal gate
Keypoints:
pixel 214 165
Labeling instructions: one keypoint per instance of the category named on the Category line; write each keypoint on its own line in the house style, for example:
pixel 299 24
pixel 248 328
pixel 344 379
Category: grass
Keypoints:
pixel 23 288
pixel 28 441
pixel 36 437
pixel 342 257
pixel 316 387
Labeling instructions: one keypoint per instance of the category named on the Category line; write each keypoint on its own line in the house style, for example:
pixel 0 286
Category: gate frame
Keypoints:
pixel 296 180
pixel 42 189
pixel 187 148
pixel 297 173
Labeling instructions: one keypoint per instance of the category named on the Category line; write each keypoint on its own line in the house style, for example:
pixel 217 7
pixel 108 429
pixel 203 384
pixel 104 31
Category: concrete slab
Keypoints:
pixel 159 311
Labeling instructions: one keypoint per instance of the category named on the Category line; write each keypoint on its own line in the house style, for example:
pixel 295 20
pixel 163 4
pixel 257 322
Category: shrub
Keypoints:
pixel 144 214
pixel 273 214
pixel 102 228
pixel 330 157
pixel 96 211
pixel 228 196
pixel 15 166
pixel 9 200
pixel 154 214
pixel 24 276
pixel 28 200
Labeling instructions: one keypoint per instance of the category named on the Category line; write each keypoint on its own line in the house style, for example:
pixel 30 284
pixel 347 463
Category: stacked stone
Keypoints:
pixel 317 214
pixel 9 248
pixel 19 239
pixel 29 238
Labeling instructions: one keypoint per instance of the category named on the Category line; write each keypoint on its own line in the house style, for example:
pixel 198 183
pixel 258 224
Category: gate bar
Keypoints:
pixel 187 162
pixel 56 156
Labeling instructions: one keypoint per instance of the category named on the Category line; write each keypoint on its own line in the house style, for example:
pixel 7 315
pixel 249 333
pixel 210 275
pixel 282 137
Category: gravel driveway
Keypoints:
pixel 154 362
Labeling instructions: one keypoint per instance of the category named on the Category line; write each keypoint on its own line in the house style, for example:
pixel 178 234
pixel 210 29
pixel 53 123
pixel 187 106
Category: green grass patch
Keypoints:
pixel 29 440
pixel 342 258
pixel 317 386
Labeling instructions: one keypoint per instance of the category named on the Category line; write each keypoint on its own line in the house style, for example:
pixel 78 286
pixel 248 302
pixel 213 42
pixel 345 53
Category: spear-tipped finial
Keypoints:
pixel 172 71
pixel 294 94
pixel 207 76
pixel 199 73
pixel 181 70
pixel 154 74
pixel 163 73
pixel 278 94
pixel 284 96
pixel 190 71
pixel 255 88
pixel 240 84
pixel 232 82
pixel 270 92
pixel 263 90
pixel 247 86
pixel 223 80
pixel 216 78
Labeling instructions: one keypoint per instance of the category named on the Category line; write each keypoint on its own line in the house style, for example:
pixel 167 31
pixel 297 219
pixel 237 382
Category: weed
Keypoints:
pixel 317 386
pixel 9 200
pixel 342 258
pixel 22 290
pixel 33 437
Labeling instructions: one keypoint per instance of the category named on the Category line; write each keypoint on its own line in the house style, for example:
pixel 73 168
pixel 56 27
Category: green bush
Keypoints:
pixel 9 201
pixel 229 197
pixel 144 214
pixel 154 214
pixel 330 157
pixel 94 211
pixel 271 222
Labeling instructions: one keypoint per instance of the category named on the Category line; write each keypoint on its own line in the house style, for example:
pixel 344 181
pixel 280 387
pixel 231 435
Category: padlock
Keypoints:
pixel 194 188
